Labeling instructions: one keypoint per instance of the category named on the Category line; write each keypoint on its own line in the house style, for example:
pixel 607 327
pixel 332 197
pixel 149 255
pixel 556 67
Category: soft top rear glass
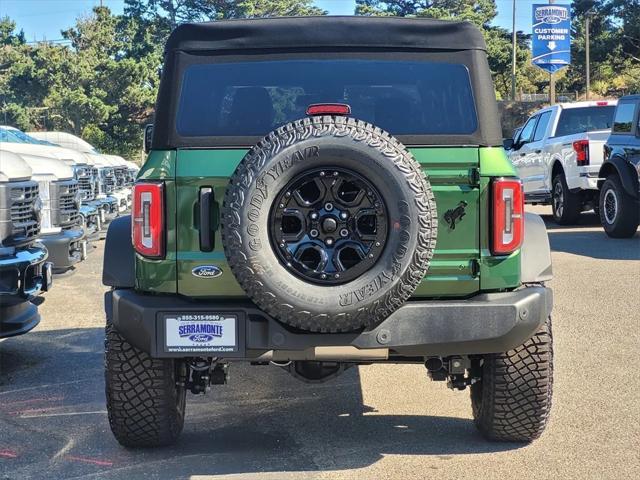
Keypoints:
pixel 253 98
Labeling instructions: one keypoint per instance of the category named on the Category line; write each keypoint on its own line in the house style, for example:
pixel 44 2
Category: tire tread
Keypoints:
pixel 512 402
pixel 142 399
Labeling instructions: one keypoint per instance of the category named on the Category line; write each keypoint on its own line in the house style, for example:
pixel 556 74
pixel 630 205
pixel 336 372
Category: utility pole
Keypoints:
pixel 587 21
pixel 513 53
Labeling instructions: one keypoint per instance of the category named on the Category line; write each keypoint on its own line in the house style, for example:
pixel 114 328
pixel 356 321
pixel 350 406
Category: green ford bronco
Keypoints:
pixel 321 193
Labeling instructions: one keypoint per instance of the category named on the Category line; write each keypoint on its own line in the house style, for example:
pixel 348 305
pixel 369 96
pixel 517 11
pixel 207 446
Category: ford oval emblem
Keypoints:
pixel 206 271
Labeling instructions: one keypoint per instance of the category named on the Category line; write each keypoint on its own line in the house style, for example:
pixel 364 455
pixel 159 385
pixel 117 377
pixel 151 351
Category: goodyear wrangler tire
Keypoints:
pixel 145 403
pixel 329 224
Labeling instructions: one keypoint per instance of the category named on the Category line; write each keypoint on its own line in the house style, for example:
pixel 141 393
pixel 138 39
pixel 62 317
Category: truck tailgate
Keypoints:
pixel 597 139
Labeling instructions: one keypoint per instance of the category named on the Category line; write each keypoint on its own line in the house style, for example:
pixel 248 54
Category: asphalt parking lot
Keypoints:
pixel 373 422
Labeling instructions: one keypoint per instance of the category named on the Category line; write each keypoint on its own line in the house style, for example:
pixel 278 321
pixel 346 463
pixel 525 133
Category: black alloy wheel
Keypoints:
pixel 328 226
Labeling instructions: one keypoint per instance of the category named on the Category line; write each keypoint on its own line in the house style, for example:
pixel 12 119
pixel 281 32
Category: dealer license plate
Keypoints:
pixel 201 332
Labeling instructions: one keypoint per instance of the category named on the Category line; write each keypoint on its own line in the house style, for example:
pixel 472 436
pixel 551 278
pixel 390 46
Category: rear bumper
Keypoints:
pixel 486 323
pixel 583 178
pixel 65 248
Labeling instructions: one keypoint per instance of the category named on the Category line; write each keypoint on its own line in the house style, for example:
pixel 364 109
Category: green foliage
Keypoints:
pixel 615 42
pixel 479 12
pixel 103 84
pixel 614 47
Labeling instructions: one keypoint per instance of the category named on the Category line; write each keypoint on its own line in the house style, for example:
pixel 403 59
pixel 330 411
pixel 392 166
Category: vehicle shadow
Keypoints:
pixel 585 220
pixel 53 422
pixel 595 244
pixel 587 238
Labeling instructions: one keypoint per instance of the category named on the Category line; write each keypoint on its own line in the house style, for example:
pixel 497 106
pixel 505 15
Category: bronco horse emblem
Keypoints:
pixel 455 214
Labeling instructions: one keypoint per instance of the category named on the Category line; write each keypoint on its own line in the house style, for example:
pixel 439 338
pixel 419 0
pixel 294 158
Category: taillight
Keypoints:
pixel 328 109
pixel 508 216
pixel 147 219
pixel 581 147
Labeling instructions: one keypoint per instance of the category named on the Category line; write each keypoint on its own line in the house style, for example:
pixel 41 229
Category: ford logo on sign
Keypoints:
pixel 201 338
pixel 206 271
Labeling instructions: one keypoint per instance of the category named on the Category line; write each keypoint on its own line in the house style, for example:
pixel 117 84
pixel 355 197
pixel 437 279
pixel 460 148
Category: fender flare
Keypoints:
pixel 535 253
pixel 118 268
pixel 625 173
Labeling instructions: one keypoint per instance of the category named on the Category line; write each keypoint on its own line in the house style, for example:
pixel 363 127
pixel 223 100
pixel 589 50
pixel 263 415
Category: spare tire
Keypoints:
pixel 329 224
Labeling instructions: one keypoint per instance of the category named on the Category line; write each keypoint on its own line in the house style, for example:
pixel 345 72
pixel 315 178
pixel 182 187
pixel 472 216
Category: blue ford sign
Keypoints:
pixel 206 271
pixel 551 40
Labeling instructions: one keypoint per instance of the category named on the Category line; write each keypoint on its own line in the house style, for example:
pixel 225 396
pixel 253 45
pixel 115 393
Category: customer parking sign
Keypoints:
pixel 551 40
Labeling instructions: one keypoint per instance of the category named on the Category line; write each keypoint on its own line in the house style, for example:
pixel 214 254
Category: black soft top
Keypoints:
pixel 324 37
pixel 326 31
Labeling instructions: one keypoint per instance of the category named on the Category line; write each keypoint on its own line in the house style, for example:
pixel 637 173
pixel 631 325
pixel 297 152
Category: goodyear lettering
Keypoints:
pixel 356 296
pixel 367 291
pixel 260 195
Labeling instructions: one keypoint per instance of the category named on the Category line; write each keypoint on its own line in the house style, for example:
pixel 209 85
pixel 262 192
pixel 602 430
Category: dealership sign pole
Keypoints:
pixel 551 39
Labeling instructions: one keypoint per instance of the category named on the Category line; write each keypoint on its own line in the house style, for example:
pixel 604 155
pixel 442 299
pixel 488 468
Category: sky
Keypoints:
pixel 44 19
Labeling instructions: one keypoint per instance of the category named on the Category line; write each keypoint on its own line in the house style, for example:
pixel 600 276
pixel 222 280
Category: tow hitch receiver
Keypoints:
pixel 453 370
pixel 204 372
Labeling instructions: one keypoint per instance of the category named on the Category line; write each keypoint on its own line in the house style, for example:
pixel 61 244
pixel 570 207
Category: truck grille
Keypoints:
pixel 67 215
pixel 25 224
pixel 86 180
pixel 131 176
pixel 107 181
pixel 121 176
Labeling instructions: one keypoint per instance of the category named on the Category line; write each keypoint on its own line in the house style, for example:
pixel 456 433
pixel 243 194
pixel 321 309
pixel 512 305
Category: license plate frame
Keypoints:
pixel 225 329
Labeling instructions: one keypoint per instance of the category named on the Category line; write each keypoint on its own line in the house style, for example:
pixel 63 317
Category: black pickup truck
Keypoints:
pixel 619 186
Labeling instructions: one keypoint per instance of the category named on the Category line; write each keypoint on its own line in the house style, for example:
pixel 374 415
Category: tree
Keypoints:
pixel 165 15
pixel 7 33
pixel 479 12
pixel 103 86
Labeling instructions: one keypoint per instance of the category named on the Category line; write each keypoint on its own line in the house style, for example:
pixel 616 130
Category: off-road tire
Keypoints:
pixel 390 167
pixel 572 203
pixel 627 216
pixel 512 400
pixel 144 404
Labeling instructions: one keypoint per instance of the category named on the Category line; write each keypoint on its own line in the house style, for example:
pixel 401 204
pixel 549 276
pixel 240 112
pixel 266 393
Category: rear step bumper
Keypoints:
pixel 486 323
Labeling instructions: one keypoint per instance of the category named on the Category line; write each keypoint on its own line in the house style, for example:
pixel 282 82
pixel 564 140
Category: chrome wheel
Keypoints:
pixel 610 206
pixel 558 199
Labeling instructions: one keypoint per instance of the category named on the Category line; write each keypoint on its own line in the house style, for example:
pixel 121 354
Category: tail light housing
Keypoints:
pixel 581 147
pixel 147 219
pixel 507 216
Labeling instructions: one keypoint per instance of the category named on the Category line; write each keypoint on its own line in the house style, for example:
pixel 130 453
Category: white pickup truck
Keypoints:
pixel 558 153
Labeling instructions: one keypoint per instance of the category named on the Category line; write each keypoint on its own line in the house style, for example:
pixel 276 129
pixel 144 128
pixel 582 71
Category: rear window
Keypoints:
pixel 584 119
pixel 253 98
pixel 623 121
